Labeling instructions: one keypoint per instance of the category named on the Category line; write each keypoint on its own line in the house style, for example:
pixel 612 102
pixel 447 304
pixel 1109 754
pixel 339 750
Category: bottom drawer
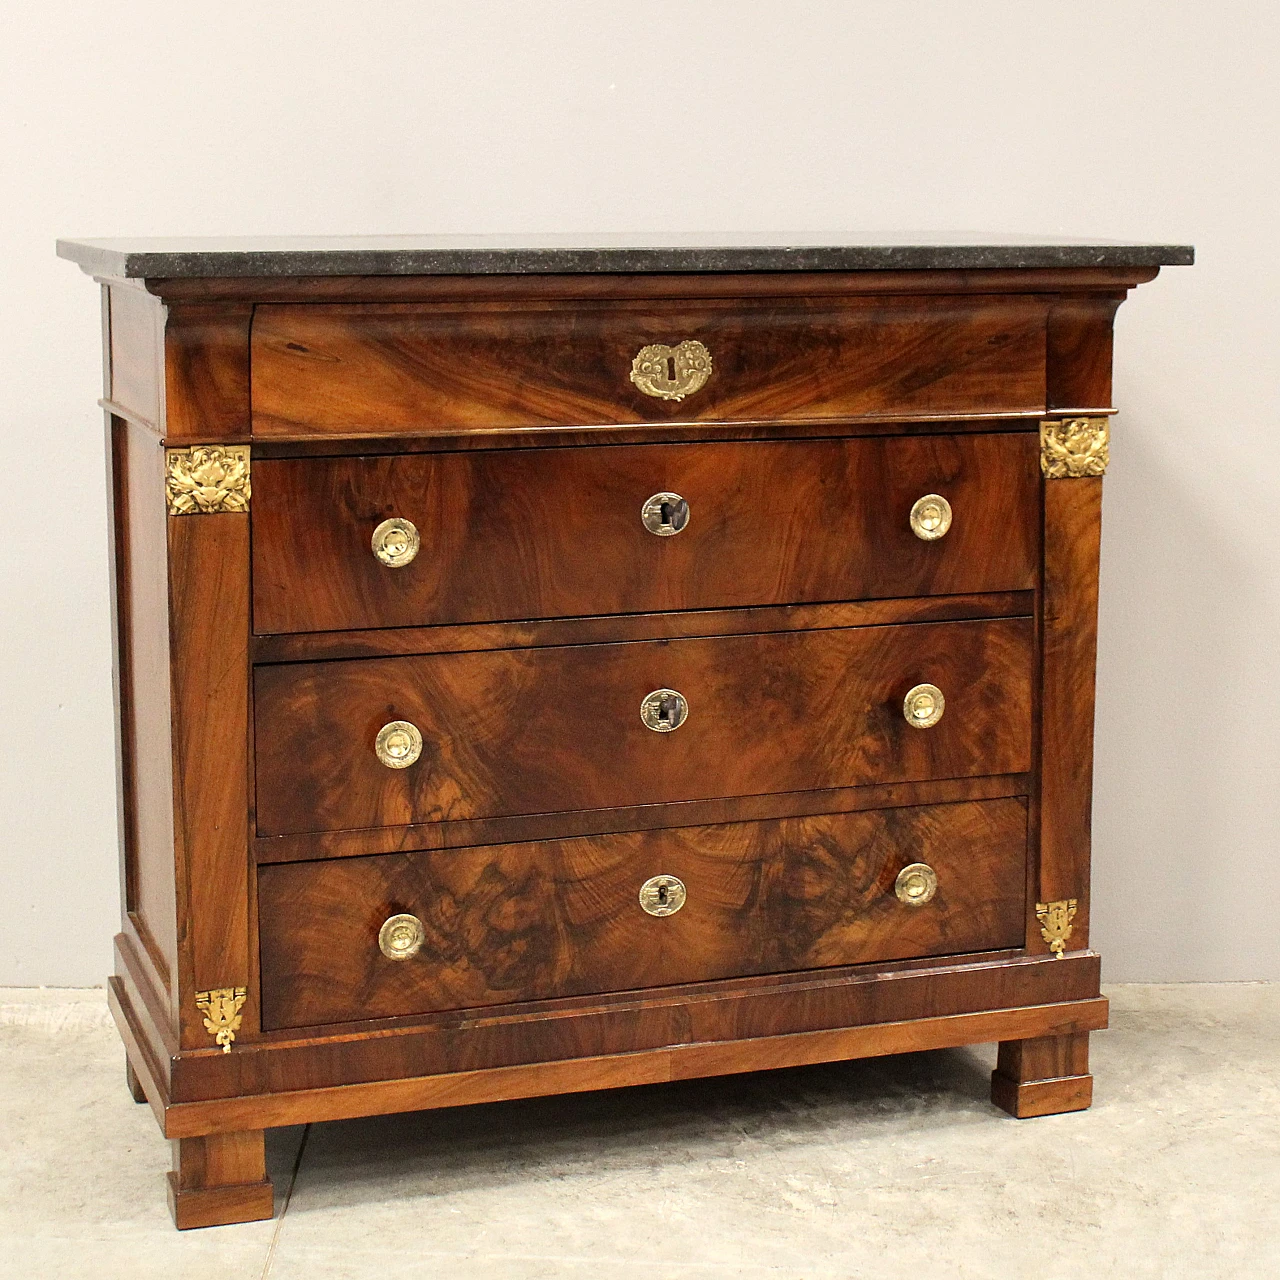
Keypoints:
pixel 517 922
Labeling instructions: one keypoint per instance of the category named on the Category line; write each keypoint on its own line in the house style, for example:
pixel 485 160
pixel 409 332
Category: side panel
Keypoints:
pixel 142 578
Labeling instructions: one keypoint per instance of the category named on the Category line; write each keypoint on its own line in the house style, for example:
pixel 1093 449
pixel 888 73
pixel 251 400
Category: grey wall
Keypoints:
pixel 1104 117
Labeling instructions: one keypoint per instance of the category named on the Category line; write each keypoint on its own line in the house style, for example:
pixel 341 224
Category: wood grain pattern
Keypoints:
pixel 310 846
pixel 536 731
pixel 404 367
pixel 502 407
pixel 209 620
pixel 206 373
pixel 1072 532
pixel 135 324
pixel 535 921
pixel 656 1066
pixel 1078 359
pixel 219 1178
pixel 1042 1076
pixel 537 533
pixel 639 286
pixel 725 1011
pixel 391 642
pixel 143 700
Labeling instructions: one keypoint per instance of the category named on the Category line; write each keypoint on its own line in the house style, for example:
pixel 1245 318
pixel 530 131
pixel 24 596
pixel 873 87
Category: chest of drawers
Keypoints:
pixel 546 669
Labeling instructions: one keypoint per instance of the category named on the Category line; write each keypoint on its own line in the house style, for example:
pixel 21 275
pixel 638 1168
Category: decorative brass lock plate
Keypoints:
pixel 671 373
pixel 663 895
pixel 664 710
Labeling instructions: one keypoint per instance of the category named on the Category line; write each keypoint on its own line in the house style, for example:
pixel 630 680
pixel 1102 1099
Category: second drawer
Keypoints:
pixel 546 730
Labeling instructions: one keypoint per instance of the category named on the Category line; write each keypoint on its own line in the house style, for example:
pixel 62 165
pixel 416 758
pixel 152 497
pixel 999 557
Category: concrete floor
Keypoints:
pixel 879 1169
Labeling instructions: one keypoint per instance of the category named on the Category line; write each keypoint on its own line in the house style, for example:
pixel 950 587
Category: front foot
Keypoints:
pixel 1043 1077
pixel 220 1179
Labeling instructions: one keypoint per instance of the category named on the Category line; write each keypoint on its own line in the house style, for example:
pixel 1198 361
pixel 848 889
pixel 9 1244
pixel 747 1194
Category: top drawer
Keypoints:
pixel 384 369
pixel 540 533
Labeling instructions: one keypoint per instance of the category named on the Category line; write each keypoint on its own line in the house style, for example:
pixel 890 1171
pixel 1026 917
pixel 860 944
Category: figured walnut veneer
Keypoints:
pixel 260 652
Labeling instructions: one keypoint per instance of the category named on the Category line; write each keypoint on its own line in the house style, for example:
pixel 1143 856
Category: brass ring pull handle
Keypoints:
pixel 671 373
pixel 923 706
pixel 401 937
pixel 665 514
pixel 930 517
pixel 396 542
pixel 663 895
pixel 398 744
pixel 664 710
pixel 916 884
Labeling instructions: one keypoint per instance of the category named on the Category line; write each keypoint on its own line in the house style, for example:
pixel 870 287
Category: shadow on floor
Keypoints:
pixel 624 1130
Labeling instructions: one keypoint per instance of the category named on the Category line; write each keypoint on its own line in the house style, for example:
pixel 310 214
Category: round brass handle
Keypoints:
pixel 663 895
pixel 664 710
pixel 923 706
pixel 916 884
pixel 401 937
pixel 930 517
pixel 396 542
pixel 665 514
pixel 398 744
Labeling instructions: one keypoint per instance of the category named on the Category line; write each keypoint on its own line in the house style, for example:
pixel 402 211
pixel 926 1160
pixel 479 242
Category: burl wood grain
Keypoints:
pixel 538 533
pixel 384 368
pixel 541 730
pixel 562 918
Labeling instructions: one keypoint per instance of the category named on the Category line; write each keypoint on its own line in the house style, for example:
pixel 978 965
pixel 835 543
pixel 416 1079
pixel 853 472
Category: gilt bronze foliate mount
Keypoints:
pixel 1074 448
pixel 221 1008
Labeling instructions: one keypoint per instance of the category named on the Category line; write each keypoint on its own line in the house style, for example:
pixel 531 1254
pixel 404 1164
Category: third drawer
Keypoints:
pixel 553 729
pixel 555 918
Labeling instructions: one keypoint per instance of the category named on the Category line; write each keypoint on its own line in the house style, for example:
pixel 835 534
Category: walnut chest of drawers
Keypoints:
pixel 545 669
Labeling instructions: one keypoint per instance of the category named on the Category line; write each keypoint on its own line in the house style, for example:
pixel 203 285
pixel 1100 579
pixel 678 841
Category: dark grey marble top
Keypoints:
pixel 505 255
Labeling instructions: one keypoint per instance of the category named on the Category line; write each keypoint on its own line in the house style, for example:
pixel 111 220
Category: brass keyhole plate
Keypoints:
pixel 664 710
pixel 663 895
pixel 671 373
pixel 665 514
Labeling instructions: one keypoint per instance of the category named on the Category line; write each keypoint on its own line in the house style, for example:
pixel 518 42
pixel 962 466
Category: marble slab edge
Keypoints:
pixel 103 259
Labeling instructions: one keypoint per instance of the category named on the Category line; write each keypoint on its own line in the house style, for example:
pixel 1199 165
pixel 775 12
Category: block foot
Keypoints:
pixel 220 1179
pixel 1043 1077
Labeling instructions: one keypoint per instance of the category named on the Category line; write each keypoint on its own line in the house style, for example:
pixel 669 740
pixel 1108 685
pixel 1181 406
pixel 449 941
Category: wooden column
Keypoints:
pixel 1043 1076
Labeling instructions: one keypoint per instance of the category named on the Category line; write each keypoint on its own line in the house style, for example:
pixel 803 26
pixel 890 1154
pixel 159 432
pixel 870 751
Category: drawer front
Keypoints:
pixel 554 729
pixel 563 917
pixel 344 369
pixel 536 533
